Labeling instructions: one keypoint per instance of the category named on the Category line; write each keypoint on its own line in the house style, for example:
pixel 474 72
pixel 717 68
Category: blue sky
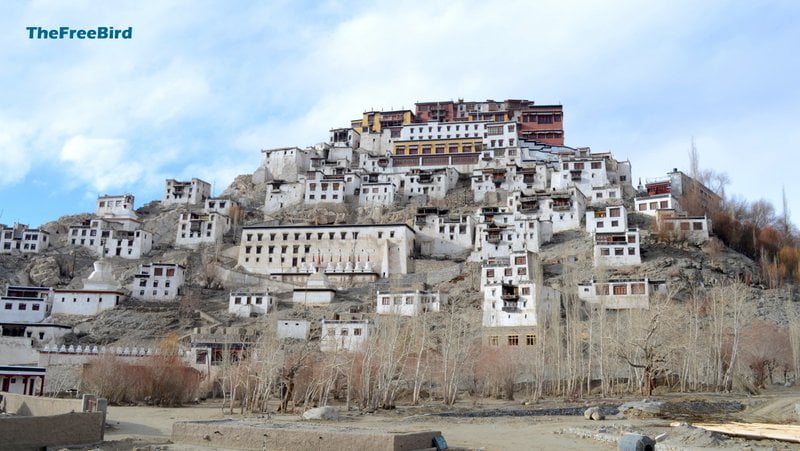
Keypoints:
pixel 203 86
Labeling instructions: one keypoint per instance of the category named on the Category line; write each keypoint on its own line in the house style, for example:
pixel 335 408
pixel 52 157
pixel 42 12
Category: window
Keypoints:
pixel 637 288
pixel 530 339
pixel 697 226
pixel 35 307
pixel 357 331
pixel 599 224
pixel 494 340
pixel 522 271
pixel 385 300
pixel 22 307
pixel 684 226
pixel 601 289
pixel 642 206
pixel 508 272
pixel 631 239
pixel 526 291
pixel 490 273
pixel 513 340
pixel 8 306
pixel 519 260
pixel 631 251
pixel 604 252
pixel 620 289
pixel 619 251
pixel 344 332
pixel 664 204
pixel 596 165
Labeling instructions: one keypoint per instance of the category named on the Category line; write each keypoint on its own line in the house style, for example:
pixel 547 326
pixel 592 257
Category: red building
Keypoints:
pixel 540 123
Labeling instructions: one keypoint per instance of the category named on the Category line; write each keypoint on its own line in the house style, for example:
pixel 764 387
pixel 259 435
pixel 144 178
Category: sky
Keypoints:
pixel 203 86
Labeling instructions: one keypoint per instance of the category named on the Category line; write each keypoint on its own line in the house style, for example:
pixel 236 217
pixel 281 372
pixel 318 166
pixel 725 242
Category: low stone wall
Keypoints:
pixel 254 435
pixel 37 405
pixel 69 429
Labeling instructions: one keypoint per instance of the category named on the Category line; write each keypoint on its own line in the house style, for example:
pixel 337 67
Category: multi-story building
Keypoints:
pixel 680 226
pixel 511 177
pixel 281 194
pixel 378 194
pixel 25 304
pixel 331 188
pixel 541 123
pixel 501 231
pixel 20 238
pixel 612 219
pixel 512 300
pixel 118 237
pixel 345 333
pixel 616 293
pixel 224 206
pixel 409 303
pixel 193 192
pixel 441 235
pixel 119 206
pixel 195 229
pixel 564 209
pixel 286 164
pixel 158 282
pixel 677 191
pixel 429 184
pixel 345 137
pixel 388 248
pixel 617 249
pixel 587 171
pixel 245 304
pixel 100 292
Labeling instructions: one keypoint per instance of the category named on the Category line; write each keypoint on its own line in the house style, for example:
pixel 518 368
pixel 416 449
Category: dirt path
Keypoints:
pixel 153 425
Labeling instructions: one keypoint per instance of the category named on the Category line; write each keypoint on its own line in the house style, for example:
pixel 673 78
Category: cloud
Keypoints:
pixel 102 164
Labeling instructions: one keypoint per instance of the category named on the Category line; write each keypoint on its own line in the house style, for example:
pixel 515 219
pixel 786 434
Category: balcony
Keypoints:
pixel 510 306
pixel 494 239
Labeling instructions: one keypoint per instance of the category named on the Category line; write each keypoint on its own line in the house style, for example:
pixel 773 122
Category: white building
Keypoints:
pixel 294 328
pixel 388 248
pixel 695 229
pixel 225 207
pixel 511 297
pixel 193 192
pixel 345 334
pixel 410 303
pixel 316 291
pixel 120 237
pixel 23 380
pixel 100 292
pixel 432 184
pixel 245 304
pixel 527 179
pixel 25 304
pixel 282 194
pixel 585 171
pixel 195 229
pixel 119 206
pixel 650 205
pixel 344 137
pixel 620 293
pixel 158 282
pixel 603 195
pixel 19 238
pixel 333 188
pixel 285 163
pixel 617 249
pixel 441 235
pixel 378 194
pixel 564 209
pixel 500 231
pixel 612 219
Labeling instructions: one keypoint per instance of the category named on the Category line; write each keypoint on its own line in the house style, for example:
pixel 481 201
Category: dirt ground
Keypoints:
pixel 139 426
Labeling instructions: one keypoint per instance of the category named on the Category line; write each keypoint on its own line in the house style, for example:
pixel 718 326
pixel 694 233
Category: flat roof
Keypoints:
pixel 323 226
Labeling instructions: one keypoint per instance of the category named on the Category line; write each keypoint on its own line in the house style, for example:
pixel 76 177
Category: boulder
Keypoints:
pixel 593 413
pixel 44 271
pixel 326 413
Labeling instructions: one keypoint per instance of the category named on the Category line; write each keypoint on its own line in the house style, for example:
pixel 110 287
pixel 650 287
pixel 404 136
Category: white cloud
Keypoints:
pixel 102 164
